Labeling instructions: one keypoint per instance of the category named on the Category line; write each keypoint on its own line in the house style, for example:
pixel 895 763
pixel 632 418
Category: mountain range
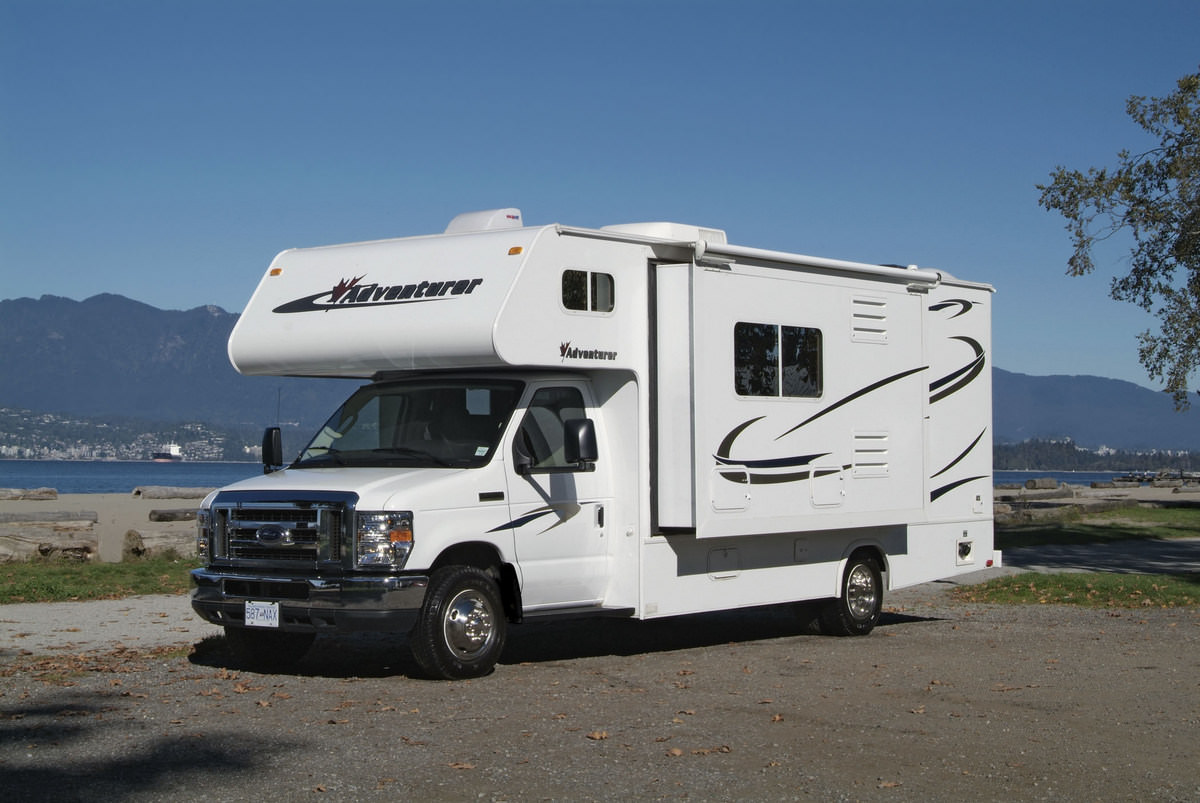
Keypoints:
pixel 111 356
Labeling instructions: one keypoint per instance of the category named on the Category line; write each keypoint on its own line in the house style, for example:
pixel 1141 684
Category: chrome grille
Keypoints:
pixel 266 532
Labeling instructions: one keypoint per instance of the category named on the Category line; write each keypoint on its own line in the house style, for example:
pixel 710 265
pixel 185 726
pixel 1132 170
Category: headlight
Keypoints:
pixel 203 534
pixel 383 539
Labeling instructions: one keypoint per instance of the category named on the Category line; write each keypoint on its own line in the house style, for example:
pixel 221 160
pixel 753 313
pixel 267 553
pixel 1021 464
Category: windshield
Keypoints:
pixel 423 423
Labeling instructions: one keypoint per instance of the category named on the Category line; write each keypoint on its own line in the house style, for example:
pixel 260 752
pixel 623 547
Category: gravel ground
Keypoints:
pixel 942 701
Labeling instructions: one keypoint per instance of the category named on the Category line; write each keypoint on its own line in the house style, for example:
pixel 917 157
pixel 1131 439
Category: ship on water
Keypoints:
pixel 171 454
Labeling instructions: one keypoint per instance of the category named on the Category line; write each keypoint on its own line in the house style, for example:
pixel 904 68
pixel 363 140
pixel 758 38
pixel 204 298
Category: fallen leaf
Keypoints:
pixel 675 752
pixel 597 736
pixel 460 765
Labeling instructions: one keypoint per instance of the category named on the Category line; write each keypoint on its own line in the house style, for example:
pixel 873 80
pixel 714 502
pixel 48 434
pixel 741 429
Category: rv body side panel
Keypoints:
pixel 391 305
pixel 578 305
pixel 957 536
pixel 674 423
pixel 804 421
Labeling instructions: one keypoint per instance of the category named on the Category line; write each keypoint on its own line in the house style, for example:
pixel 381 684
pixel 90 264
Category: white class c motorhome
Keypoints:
pixel 640 421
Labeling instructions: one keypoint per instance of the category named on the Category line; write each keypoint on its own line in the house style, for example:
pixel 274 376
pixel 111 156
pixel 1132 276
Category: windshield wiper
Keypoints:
pixel 330 456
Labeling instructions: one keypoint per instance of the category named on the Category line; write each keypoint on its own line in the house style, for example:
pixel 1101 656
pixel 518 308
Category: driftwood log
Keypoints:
pixel 9 494
pixel 156 543
pixel 48 534
pixel 179 514
pixel 1041 484
pixel 170 492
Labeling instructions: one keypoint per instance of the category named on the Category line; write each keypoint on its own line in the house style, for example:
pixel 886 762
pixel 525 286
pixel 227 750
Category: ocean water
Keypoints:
pixel 116 476
pixel 1085 478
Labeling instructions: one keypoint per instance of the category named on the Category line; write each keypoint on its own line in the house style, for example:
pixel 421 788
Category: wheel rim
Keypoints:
pixel 468 625
pixel 861 592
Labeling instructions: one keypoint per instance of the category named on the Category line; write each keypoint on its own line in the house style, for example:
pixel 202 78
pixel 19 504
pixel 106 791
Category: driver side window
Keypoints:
pixel 541 433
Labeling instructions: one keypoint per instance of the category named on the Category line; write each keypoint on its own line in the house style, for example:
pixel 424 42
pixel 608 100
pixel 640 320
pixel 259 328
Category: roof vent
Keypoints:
pixel 486 220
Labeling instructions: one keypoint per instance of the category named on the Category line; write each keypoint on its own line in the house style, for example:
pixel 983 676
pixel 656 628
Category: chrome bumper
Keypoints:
pixel 387 603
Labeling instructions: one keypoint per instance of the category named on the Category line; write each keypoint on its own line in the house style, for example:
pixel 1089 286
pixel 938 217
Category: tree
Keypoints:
pixel 1155 197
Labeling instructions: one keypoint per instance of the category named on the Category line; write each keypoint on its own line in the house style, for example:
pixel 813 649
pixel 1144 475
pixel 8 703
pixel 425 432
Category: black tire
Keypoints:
pixel 267 650
pixel 856 610
pixel 461 630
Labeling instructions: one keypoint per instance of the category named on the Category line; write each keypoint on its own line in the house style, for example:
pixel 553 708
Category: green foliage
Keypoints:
pixel 59 581
pixel 1090 590
pixel 1154 196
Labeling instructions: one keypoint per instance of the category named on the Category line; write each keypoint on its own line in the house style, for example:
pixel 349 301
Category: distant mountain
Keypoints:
pixel 110 355
pixel 1090 410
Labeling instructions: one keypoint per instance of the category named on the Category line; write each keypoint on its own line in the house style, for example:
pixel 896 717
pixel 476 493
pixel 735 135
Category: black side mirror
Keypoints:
pixel 272 450
pixel 579 441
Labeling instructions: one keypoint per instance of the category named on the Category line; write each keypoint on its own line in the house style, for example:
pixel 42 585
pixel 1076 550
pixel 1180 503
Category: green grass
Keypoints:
pixel 1094 589
pixel 1087 589
pixel 1101 527
pixel 58 581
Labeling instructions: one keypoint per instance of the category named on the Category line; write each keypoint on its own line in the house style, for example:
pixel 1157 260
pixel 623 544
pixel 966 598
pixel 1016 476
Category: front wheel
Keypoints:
pixel 856 610
pixel 461 630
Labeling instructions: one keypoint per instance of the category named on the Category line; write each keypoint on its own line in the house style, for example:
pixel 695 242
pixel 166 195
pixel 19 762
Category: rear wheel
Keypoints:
pixel 267 650
pixel 461 630
pixel 856 610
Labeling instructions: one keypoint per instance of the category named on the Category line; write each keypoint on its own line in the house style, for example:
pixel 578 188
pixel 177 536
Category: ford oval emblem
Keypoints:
pixel 273 534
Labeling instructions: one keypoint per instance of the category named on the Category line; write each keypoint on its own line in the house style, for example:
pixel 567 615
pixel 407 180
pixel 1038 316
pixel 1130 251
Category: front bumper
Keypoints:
pixel 383 603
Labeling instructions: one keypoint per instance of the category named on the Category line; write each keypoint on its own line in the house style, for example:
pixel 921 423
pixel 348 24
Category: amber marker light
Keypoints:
pixel 516 249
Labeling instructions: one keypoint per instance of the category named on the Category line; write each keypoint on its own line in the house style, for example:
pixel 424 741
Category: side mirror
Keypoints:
pixel 579 441
pixel 272 450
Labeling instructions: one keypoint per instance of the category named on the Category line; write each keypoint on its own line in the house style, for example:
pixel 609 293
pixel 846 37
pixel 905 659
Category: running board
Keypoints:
pixel 580 611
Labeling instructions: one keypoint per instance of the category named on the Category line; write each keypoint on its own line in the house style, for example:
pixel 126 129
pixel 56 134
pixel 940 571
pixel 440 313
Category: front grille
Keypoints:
pixel 292 533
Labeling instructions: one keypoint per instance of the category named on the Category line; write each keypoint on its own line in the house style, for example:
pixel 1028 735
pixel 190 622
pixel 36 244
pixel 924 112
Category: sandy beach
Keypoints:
pixel 112 516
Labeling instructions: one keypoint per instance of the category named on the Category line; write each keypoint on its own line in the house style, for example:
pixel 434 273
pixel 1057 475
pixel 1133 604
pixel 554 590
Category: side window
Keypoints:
pixel 541 433
pixel 587 292
pixel 771 360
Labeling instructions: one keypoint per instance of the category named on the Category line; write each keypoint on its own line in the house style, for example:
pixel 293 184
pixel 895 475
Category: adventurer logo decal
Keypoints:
pixel 352 294
pixel 569 352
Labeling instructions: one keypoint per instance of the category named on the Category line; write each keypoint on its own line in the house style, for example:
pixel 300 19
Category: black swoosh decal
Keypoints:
pixel 307 304
pixel 965 452
pixel 963 376
pixel 963 305
pixel 855 395
pixel 947 488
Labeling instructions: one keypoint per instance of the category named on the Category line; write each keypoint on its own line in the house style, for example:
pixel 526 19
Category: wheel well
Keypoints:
pixel 486 558
pixel 873 552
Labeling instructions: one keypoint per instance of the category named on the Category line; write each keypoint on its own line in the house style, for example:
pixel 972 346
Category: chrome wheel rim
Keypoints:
pixel 861 593
pixel 468 626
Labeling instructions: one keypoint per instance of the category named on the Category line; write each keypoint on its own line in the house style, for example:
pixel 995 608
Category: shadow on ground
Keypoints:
pixel 540 641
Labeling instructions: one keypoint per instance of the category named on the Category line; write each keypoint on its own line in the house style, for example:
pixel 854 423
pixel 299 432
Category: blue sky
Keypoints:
pixel 167 150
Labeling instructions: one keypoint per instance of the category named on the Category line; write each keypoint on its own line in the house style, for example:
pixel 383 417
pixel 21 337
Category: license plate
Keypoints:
pixel 262 614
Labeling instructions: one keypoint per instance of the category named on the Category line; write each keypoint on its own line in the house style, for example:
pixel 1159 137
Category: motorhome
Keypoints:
pixel 640 420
